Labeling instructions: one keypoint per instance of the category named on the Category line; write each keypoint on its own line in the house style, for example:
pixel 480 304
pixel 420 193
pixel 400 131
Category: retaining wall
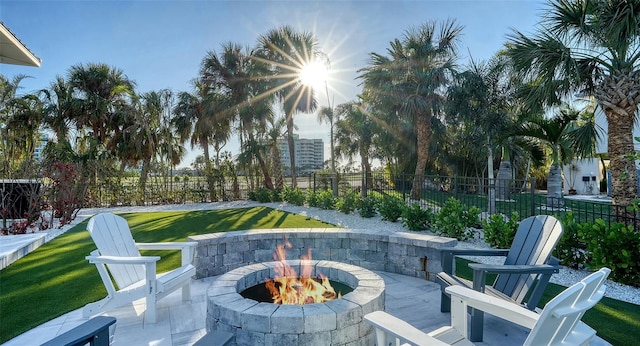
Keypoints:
pixel 407 253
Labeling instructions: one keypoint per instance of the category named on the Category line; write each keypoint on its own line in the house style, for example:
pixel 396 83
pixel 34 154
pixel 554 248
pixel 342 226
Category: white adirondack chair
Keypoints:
pixel 558 323
pixel 119 261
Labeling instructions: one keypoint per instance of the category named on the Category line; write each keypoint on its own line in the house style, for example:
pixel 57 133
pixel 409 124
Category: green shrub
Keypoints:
pixel 264 195
pixel 275 195
pixel 367 206
pixel 312 198
pixel 390 208
pixel 348 202
pixel 616 247
pixel 499 230
pixel 292 196
pixel 261 195
pixel 415 218
pixel 571 247
pixel 325 200
pixel 454 219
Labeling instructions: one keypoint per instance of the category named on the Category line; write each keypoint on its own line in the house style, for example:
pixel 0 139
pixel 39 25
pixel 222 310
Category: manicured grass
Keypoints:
pixel 615 321
pixel 56 278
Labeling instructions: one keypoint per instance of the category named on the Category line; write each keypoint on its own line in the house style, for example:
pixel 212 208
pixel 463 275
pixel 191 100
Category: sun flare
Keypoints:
pixel 314 74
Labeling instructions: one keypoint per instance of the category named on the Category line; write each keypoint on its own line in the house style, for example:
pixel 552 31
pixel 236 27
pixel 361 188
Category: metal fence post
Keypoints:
pixel 314 183
pixel 533 196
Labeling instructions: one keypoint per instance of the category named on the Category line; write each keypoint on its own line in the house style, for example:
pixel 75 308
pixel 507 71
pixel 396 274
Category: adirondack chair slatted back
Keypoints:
pixel 535 239
pixel 112 236
pixel 558 320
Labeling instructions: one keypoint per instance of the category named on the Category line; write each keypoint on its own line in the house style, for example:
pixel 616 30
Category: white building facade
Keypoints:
pixel 584 176
pixel 309 155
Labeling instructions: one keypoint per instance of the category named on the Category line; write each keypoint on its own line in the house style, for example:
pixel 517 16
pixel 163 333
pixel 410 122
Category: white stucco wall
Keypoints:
pixel 587 169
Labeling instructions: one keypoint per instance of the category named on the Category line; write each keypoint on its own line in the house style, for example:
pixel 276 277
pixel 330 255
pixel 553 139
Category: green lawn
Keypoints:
pixel 56 278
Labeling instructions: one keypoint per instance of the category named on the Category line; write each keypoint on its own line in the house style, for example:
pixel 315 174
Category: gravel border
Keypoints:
pixel 566 277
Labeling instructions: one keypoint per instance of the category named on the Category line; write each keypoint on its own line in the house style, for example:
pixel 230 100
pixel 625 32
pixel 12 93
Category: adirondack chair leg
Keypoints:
pixel 186 292
pixel 150 314
pixel 445 302
pixel 151 293
pixel 477 325
pixel 381 337
pixel 477 316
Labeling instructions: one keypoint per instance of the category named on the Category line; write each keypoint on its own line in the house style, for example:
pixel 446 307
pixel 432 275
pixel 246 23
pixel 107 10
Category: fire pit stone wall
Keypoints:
pixel 406 253
pixel 336 322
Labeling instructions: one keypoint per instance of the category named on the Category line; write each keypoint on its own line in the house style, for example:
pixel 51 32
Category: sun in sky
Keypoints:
pixel 314 74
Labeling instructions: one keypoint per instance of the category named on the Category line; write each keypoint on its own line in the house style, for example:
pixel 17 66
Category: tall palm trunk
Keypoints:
pixel 366 168
pixel 554 187
pixel 423 128
pixel 144 173
pixel 492 183
pixel 209 170
pixel 277 167
pixel 292 152
pixel 505 177
pixel 619 98
pixel 268 183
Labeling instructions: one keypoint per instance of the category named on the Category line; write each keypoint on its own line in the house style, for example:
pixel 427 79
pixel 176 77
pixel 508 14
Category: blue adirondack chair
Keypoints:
pixel 521 279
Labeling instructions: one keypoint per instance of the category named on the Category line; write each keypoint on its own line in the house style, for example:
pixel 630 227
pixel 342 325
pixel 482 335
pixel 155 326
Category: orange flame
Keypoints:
pixel 289 288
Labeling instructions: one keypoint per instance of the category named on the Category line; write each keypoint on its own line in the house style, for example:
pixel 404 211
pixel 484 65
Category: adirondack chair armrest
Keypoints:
pixel 449 256
pixel 399 330
pixel 167 245
pixel 495 306
pixel 122 260
pixel 187 248
pixel 480 271
pixel 518 269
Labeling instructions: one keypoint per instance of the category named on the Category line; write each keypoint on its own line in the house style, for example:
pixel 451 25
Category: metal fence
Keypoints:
pixel 510 196
pixel 159 191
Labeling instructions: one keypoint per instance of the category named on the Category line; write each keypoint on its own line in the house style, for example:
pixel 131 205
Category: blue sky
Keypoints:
pixel 160 44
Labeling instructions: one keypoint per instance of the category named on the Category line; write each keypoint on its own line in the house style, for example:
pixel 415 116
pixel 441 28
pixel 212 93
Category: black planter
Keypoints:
pixel 16 195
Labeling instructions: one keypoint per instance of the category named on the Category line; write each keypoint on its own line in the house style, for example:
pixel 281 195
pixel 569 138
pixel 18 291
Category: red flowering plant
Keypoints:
pixel 65 192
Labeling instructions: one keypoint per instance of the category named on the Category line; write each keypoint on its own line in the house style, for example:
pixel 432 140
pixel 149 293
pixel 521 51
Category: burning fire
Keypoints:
pixel 290 288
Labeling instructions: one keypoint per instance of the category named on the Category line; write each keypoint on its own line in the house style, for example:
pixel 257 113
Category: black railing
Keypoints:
pixel 510 196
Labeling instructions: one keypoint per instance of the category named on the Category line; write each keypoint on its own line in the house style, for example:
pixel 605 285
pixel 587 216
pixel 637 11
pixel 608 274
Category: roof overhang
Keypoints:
pixel 12 51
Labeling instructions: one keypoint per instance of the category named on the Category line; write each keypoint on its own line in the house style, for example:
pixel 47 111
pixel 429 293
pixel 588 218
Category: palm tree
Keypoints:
pixel 326 114
pixel 355 132
pixel 102 98
pixel 414 75
pixel 59 109
pixel 237 75
pixel 590 47
pixel 195 120
pixel 8 94
pixel 22 124
pixel 484 98
pixel 274 133
pixel 286 52
pixel 101 91
pixel 566 138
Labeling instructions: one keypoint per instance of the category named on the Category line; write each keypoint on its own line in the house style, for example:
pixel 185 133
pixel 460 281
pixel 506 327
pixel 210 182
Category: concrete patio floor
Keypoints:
pixel 182 323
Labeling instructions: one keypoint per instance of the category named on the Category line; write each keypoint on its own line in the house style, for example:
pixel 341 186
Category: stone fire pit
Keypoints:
pixel 337 322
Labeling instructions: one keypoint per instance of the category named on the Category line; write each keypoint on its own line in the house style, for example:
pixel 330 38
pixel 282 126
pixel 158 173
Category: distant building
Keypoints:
pixel 309 154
